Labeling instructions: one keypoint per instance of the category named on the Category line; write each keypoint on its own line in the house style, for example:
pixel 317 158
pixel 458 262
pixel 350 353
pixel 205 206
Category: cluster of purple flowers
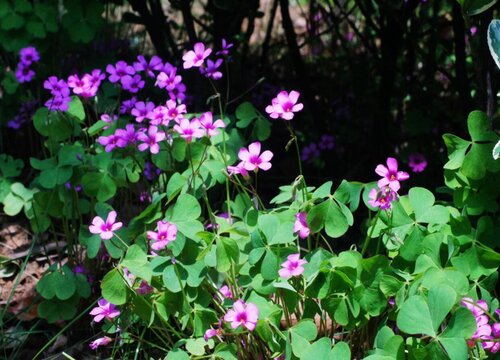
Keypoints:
pixel 27 57
pixel 313 150
pixel 488 335
pixel 24 115
pixel 388 185
pixel 197 57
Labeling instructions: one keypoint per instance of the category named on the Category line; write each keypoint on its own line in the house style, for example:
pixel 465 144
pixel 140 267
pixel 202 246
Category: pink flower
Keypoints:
pixel 144 288
pixel 382 198
pixel 158 116
pixel 417 162
pixel 210 333
pixel 105 310
pixel 476 307
pixel 108 120
pixel 154 64
pixel 109 142
pixel 238 169
pixel 206 121
pixel 168 80
pixel 117 72
pixel 105 229
pixel 225 292
pixel 151 140
pixel 242 314
pixel 174 111
pixel 167 233
pixel 132 84
pixel 197 57
pixel 127 136
pixel 391 175
pixel 100 342
pixel 189 129
pixel 284 105
pixel 210 70
pixel 253 160
pixel 141 110
pixel 293 266
pixel 300 225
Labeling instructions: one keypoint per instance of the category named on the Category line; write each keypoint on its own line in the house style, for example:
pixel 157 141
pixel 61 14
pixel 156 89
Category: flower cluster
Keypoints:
pixel 27 57
pixel 484 331
pixel 197 57
pixel 388 185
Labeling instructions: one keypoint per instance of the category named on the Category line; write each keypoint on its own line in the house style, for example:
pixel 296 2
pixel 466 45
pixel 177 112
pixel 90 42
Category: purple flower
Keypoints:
pixel 109 142
pixel 310 152
pixel 174 111
pixel 126 137
pixel 128 105
pixel 225 292
pixel 293 266
pixel 253 160
pixel 58 103
pixel 100 342
pixel 382 198
pixel 24 73
pixel 168 80
pixel 144 288
pixel 154 64
pixel 189 129
pixel 242 314
pixel 151 139
pixel 57 87
pixel 132 84
pixel 477 308
pixel 206 121
pixel 196 57
pixel 29 55
pixel 417 162
pixel 210 333
pixel 390 175
pixel 179 93
pixel 326 142
pixel 284 105
pixel 167 233
pixel 85 86
pixel 225 48
pixel 105 229
pixel 105 310
pixel 150 171
pixel 238 169
pixel 117 72
pixel 158 116
pixel 300 225
pixel 108 119
pixel 141 110
pixel 210 70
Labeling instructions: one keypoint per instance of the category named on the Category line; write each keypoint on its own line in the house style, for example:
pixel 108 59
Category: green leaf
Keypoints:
pixel 341 351
pixel 422 201
pixel 494 40
pixel 76 108
pixel 475 7
pixel 10 167
pixel 184 215
pixel 414 317
pixel 440 301
pixel 323 191
pixel 227 252
pixel 99 185
pixel 136 261
pixel 114 288
pixel 320 349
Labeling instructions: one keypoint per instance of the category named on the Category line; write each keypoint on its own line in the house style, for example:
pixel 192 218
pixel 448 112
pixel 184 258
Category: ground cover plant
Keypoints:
pixel 169 245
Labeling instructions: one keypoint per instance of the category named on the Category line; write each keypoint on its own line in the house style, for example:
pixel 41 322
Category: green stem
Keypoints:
pixel 369 236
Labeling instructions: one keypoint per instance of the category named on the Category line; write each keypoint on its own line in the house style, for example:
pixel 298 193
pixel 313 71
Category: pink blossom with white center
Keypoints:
pixel 189 129
pixel 169 80
pixel 100 342
pixel 109 142
pixel 158 116
pixel 293 266
pixel 196 57
pixel 284 105
pixel 105 229
pixel 151 139
pixel 127 136
pixel 174 111
pixel 253 160
pixel 104 310
pixel 167 233
pixel 382 198
pixel 242 314
pixel 390 175
pixel 206 121
pixel 300 225
pixel 141 110
pixel 225 292
pixel 238 169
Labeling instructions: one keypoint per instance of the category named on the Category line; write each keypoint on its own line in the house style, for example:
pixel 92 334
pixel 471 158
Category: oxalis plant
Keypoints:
pixel 161 208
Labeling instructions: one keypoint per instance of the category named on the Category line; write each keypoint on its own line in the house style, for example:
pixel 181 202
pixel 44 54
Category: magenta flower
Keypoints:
pixel 174 111
pixel 151 139
pixel 108 119
pixel 154 64
pixel 225 292
pixel 189 129
pixel 105 229
pixel 210 333
pixel 300 225
pixel 210 70
pixel 206 121
pixel 128 105
pixel 105 310
pixel 253 160
pixel 382 198
pixel 29 55
pixel 225 48
pixel 293 266
pixel 109 142
pixel 238 169
pixel 127 136
pixel 117 72
pixel 100 342
pixel 417 162
pixel 158 116
pixel 179 93
pixel 24 73
pixel 57 87
pixel 132 84
pixel 60 103
pixel 167 233
pixel 196 57
pixel 390 175
pixel 284 105
pixel 477 308
pixel 242 314
pixel 144 288
pixel 168 80
pixel 141 110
